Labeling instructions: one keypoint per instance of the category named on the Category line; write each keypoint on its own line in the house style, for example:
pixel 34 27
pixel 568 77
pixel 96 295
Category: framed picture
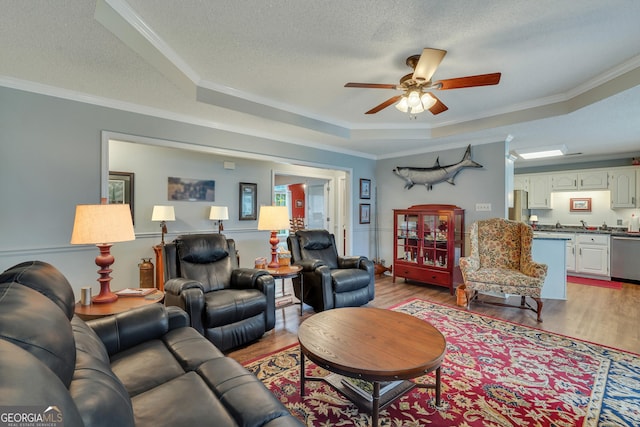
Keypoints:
pixel 580 205
pixel 365 213
pixel 192 190
pixel 121 189
pixel 299 203
pixel 248 201
pixel 365 188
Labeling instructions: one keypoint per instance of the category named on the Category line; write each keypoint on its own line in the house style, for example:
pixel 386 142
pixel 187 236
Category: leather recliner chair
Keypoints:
pixel 329 280
pixel 231 306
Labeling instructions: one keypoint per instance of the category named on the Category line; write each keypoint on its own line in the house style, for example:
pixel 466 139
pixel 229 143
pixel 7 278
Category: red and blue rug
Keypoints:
pixel 495 373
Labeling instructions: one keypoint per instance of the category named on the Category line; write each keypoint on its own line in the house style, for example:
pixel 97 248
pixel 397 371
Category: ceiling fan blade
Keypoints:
pixel 469 81
pixel 384 105
pixel 428 63
pixel 372 85
pixel 438 107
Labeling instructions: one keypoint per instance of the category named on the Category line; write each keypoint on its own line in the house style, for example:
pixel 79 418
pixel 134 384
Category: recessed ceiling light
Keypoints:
pixel 542 152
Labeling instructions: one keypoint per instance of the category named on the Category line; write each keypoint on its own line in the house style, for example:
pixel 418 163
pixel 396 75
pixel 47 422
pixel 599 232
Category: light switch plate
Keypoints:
pixel 486 207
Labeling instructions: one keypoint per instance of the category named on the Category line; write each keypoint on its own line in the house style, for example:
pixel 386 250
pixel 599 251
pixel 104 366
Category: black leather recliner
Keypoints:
pixel 230 306
pixel 330 281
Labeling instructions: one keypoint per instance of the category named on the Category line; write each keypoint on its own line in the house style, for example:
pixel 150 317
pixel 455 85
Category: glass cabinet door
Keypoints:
pixel 407 240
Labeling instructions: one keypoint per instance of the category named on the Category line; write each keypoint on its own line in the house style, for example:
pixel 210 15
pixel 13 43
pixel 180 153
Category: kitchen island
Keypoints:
pixel 551 251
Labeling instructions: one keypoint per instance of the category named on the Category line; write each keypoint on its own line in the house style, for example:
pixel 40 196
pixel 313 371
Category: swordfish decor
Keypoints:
pixel 436 173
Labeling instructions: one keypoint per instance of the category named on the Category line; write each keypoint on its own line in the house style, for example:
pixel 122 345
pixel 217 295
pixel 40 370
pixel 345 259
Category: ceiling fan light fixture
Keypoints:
pixel 417 109
pixel 428 100
pixel 403 105
pixel 414 99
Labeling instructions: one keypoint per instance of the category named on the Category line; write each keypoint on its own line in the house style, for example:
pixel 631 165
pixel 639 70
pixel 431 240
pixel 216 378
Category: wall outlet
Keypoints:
pixel 619 222
pixel 483 207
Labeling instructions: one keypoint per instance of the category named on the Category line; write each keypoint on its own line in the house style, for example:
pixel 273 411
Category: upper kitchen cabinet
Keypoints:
pixel 577 181
pixel 521 182
pixel 539 191
pixel 622 182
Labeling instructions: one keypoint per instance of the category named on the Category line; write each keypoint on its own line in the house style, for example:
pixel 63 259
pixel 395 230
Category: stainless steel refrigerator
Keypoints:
pixel 520 210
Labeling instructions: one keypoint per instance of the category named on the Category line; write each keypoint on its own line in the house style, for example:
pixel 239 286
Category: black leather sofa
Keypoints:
pixel 144 367
pixel 231 306
pixel 330 280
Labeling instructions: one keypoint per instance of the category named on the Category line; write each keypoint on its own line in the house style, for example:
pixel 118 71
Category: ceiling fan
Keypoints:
pixel 415 99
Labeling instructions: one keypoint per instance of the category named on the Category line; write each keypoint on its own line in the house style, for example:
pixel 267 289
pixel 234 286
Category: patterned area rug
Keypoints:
pixel 595 282
pixel 495 373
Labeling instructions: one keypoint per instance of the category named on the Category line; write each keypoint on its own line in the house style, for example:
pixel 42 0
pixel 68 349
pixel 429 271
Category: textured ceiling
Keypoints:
pixel 570 70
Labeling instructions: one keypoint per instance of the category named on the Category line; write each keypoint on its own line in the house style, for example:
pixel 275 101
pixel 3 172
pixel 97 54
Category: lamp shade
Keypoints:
pixel 273 218
pixel 163 213
pixel 95 224
pixel 218 213
pixel 533 218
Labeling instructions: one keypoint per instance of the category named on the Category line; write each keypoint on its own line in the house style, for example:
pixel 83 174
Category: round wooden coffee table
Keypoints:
pixel 374 345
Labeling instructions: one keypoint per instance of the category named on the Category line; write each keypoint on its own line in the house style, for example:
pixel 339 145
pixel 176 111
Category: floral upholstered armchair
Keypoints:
pixel 500 261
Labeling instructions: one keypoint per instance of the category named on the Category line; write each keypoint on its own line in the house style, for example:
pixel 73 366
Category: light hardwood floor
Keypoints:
pixel 604 316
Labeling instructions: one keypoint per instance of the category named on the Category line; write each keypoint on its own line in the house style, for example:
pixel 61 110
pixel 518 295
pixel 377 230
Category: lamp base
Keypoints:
pixel 274 250
pixel 105 297
pixel 104 261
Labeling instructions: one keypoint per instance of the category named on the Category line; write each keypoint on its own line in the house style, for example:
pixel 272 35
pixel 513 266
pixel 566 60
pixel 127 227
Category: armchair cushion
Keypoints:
pixel 232 305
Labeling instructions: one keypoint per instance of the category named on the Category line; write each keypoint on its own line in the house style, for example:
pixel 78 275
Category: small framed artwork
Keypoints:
pixel 365 188
pixel 580 205
pixel 191 190
pixel 121 189
pixel 248 201
pixel 299 203
pixel 365 213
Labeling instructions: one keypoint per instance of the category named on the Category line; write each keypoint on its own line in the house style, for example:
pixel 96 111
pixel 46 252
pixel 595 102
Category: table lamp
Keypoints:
pixel 533 219
pixel 103 225
pixel 163 214
pixel 273 218
pixel 218 213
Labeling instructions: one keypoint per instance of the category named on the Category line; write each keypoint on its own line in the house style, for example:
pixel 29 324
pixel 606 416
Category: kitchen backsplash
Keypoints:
pixel 600 210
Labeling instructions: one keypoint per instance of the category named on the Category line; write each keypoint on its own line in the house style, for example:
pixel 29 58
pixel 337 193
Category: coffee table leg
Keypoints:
pixel 438 387
pixel 375 404
pixel 301 373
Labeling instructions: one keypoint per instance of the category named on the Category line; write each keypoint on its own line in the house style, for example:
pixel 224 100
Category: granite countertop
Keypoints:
pixel 613 231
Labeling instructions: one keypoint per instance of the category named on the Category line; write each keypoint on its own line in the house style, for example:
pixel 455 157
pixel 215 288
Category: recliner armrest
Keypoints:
pixel 246 278
pixel 310 264
pixel 177 285
pixel 125 330
pixel 349 261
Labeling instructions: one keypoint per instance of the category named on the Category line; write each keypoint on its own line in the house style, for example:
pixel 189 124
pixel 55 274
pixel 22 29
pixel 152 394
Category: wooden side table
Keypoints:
pixel 289 272
pixel 96 311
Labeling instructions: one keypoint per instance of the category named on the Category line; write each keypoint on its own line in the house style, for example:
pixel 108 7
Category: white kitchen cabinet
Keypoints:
pixel 593 180
pixel 623 188
pixel 592 254
pixel 570 249
pixel 564 181
pixel 579 181
pixel 539 191
pixel 521 182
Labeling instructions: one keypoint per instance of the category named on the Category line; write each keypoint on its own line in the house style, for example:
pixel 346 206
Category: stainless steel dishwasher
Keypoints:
pixel 625 256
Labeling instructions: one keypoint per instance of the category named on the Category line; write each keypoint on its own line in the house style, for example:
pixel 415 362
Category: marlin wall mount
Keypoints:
pixel 435 174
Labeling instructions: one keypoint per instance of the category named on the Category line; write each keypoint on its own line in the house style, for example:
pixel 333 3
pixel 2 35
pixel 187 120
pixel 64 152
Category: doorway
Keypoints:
pixel 315 199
